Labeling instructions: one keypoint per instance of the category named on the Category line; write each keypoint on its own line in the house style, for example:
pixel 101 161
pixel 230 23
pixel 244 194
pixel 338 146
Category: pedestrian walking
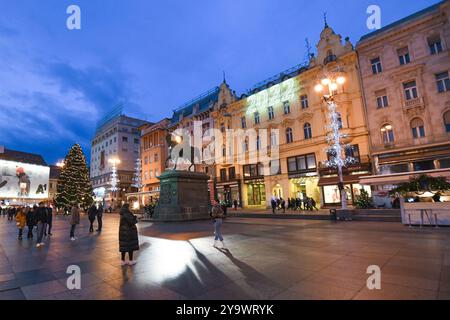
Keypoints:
pixel 100 217
pixel 31 221
pixel 128 235
pixel 273 203
pixel 74 220
pixel 48 229
pixel 21 220
pixel 41 220
pixel 92 214
pixel 283 205
pixel 217 215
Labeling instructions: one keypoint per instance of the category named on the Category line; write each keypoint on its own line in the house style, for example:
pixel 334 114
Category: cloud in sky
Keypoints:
pixel 56 84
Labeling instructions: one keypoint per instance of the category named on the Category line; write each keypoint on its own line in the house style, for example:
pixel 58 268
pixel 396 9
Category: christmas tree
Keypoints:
pixel 73 184
pixel 137 179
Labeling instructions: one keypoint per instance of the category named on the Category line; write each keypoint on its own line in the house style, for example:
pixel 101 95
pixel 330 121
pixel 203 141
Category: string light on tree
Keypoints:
pixel 114 177
pixel 328 87
pixel 137 179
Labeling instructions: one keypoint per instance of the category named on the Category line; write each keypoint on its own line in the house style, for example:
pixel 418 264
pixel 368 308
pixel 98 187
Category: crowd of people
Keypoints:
pixel 38 220
pixel 295 204
pixel 35 218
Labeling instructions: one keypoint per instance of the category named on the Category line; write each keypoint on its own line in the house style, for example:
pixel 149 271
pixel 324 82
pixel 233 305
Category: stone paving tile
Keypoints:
pixel 15 294
pixel 329 291
pixel 43 289
pixel 267 259
pixel 396 292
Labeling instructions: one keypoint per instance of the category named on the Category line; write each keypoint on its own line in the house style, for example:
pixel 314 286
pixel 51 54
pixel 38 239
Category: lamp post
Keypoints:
pixel 114 179
pixel 331 84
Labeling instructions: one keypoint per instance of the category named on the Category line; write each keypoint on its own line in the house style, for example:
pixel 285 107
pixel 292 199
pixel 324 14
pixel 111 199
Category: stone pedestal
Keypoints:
pixel 183 196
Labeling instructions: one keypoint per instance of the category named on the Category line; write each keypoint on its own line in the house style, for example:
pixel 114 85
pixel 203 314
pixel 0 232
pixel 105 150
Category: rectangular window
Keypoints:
pixel 302 163
pixel 124 139
pixel 418 132
pixel 376 65
pixel 443 82
pixel 382 99
pixel 311 161
pixel 403 56
pixel 232 173
pixel 353 152
pixel 223 174
pixel 156 157
pixel 435 45
pixel 304 101
pixel 286 107
pixel 410 89
pixel 243 123
pixel 136 141
pixel 275 167
pixel 423 165
pixel 270 112
pixel 256 115
pixel 146 160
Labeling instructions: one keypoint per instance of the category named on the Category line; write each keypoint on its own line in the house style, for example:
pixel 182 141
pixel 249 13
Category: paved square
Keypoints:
pixel 267 259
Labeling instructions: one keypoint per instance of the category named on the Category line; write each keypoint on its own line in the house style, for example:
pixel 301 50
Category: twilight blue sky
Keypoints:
pixel 151 55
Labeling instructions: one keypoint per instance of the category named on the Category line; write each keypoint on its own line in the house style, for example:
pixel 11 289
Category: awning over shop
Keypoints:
pixel 328 181
pixel 397 178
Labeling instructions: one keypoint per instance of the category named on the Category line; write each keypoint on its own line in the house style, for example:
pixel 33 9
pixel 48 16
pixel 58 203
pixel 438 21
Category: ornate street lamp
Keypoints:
pixel 336 150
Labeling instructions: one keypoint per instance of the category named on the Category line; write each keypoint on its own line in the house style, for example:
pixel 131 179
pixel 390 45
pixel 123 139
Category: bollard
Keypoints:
pixel 436 220
pixel 409 215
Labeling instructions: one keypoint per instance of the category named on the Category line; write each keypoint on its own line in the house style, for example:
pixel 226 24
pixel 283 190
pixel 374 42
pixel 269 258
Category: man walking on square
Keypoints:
pixel 100 217
pixel 49 220
pixel 92 214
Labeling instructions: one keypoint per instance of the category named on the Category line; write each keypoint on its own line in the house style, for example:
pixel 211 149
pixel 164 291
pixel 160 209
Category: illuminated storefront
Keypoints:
pixel 254 186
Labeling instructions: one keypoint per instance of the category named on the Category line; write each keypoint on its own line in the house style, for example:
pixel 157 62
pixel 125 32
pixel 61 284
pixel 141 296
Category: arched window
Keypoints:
pixel 418 128
pixel 387 133
pixel 447 121
pixel 289 136
pixel 307 131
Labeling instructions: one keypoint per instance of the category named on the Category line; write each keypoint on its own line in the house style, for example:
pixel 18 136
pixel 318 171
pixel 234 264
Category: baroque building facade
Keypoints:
pixel 288 103
pixel 405 80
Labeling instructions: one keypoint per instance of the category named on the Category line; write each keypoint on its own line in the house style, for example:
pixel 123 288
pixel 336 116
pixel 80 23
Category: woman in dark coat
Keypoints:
pixel 128 235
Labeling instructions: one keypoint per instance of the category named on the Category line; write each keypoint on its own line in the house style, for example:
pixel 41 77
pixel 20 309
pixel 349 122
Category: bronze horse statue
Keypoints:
pixel 194 153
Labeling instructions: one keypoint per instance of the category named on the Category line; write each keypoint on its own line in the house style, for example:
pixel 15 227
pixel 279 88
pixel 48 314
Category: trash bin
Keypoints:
pixel 333 214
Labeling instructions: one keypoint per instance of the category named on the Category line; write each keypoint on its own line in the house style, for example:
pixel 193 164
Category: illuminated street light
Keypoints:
pixel 318 88
pixel 60 164
pixel 336 147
